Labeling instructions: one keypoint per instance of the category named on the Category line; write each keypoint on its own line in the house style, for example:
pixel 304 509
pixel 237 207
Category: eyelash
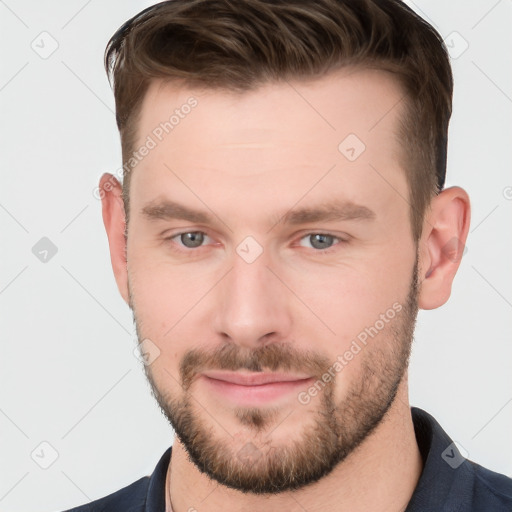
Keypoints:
pixel 341 241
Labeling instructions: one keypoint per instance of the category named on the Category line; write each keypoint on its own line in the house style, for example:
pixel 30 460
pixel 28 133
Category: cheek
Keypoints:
pixel 365 312
pixel 363 304
pixel 160 300
pixel 155 303
pixel 170 302
pixel 164 292
pixel 350 297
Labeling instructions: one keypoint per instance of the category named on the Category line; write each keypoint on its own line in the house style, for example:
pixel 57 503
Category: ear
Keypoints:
pixel 114 220
pixel 442 244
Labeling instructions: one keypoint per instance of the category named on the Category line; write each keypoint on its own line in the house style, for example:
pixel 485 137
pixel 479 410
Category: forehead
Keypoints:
pixel 352 99
pixel 284 136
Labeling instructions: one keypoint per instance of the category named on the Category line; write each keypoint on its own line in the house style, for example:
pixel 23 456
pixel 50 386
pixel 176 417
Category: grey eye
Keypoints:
pixel 321 241
pixel 192 239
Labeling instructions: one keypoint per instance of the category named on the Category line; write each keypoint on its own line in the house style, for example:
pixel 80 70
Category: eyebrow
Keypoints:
pixel 327 212
pixel 330 211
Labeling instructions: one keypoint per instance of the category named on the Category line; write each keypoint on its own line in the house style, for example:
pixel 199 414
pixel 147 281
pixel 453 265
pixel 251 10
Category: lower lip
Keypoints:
pixel 255 395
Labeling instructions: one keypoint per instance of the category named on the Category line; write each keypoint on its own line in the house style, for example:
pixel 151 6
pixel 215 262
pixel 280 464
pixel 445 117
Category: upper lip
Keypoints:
pixel 254 379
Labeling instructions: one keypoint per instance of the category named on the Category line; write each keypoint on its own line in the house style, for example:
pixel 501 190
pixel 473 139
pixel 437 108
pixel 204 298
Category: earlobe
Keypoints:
pixel 114 220
pixel 442 245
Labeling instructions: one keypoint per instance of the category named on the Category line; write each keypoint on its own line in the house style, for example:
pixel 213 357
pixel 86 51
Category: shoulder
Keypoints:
pixel 491 491
pixel 147 493
pixel 450 481
pixel 131 498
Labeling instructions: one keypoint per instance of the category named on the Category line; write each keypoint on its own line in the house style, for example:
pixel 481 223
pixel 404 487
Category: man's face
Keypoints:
pixel 254 287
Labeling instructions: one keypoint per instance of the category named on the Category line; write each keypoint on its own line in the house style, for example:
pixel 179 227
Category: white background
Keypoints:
pixel 68 375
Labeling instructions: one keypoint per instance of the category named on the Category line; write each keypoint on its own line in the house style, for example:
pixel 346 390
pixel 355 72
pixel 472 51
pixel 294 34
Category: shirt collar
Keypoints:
pixel 446 482
pixel 155 497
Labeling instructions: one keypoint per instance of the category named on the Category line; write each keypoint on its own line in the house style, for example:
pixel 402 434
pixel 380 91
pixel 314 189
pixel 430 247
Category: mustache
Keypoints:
pixel 271 357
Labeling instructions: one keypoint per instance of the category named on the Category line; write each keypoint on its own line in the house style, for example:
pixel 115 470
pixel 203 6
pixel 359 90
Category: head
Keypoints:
pixel 282 211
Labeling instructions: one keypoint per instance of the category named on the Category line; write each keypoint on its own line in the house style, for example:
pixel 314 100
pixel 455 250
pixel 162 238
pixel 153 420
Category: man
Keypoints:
pixel 281 220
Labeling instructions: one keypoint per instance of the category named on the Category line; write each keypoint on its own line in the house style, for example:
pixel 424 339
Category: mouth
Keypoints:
pixel 254 388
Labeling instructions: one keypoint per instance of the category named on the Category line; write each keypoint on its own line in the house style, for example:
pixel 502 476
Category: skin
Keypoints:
pixel 250 158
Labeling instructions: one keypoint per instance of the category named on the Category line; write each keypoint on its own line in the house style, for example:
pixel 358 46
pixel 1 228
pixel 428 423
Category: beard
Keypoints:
pixel 336 430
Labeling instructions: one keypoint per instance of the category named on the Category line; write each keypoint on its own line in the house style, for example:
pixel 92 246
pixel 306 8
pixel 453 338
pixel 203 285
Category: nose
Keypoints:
pixel 253 307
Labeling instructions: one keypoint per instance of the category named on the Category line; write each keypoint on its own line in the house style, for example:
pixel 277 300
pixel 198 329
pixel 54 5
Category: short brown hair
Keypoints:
pixel 240 44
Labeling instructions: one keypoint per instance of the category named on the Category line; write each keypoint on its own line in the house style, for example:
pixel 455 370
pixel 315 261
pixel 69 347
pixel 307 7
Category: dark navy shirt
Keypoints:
pixel 448 482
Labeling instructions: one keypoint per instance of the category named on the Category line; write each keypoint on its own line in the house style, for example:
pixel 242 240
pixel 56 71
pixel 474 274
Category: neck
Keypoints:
pixel 380 475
